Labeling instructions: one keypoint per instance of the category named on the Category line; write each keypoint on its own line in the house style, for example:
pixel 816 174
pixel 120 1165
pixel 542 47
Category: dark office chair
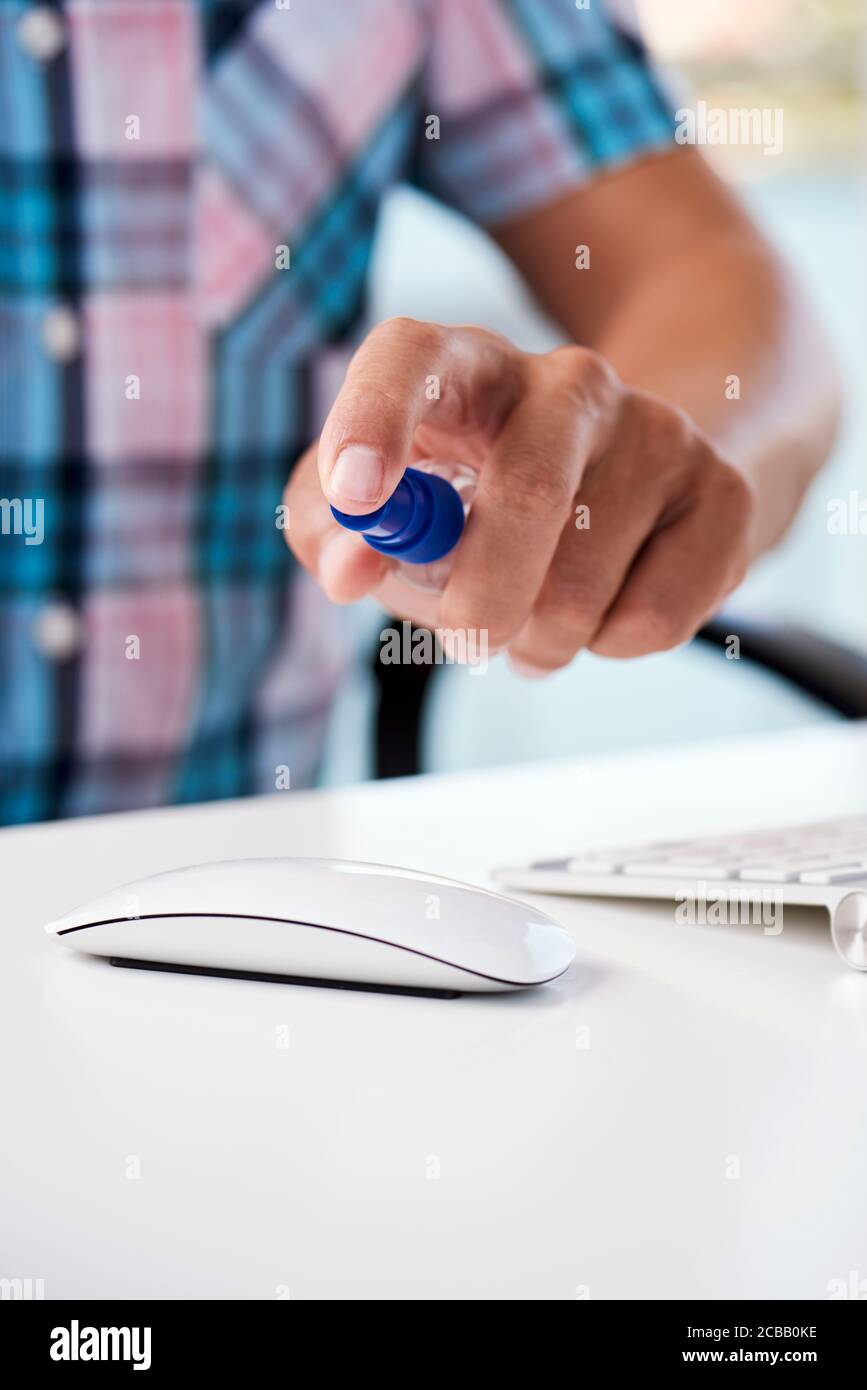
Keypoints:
pixel 833 674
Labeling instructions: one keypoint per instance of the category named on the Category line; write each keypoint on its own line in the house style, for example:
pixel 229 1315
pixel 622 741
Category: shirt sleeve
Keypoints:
pixel 525 100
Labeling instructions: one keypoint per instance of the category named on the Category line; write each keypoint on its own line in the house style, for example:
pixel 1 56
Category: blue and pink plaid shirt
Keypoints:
pixel 189 192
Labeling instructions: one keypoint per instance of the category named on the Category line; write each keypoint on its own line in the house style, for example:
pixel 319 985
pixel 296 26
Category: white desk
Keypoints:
pixel 421 1148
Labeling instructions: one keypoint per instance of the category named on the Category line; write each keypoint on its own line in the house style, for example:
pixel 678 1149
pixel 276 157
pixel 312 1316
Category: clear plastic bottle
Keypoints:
pixel 422 522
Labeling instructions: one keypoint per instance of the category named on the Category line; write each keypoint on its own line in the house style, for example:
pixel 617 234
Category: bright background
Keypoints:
pixel 806 57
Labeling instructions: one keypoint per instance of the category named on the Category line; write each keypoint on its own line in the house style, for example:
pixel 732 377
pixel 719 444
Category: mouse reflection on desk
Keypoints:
pixel 325 922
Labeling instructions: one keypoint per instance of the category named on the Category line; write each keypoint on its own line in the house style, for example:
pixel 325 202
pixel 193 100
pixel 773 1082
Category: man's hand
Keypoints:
pixel 665 536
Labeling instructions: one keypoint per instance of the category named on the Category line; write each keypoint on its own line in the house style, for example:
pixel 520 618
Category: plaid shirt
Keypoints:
pixel 161 366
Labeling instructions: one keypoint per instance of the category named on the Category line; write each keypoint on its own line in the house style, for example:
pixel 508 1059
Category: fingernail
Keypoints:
pixel 523 668
pixel 358 475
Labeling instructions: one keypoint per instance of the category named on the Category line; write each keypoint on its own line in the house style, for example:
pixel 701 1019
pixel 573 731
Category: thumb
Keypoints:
pixel 404 373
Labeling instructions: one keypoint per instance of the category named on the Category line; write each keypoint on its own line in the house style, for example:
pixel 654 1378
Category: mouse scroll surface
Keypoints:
pixel 326 920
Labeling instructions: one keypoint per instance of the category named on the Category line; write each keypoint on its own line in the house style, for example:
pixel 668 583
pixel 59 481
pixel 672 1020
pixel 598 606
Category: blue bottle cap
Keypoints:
pixel 422 520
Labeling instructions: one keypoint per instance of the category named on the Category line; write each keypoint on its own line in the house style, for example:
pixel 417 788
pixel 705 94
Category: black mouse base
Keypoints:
pixel 411 990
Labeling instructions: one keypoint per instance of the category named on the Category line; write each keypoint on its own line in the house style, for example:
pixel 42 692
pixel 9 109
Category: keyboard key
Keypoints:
pixel 667 845
pixel 822 861
pixel 656 868
pixel 700 861
pixel 593 866
pixel 767 873
pixel 847 873
pixel 789 870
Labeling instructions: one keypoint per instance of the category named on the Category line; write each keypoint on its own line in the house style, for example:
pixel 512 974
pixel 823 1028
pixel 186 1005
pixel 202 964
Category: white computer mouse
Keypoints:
pixel 323 921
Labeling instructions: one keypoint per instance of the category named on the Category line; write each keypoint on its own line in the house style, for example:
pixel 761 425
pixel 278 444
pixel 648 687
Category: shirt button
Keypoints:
pixel 57 631
pixel 61 335
pixel 41 33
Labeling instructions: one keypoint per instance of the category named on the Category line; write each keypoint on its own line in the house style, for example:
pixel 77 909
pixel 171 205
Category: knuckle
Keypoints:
pixel 737 574
pixel 537 491
pixel 654 625
pixel 662 427
pixel 549 649
pixel 468 621
pixel 370 414
pixel 541 657
pixel 366 397
pixel 487 340
pixel 402 331
pixel 582 372
pixel 572 607
pixel 668 627
pixel 736 492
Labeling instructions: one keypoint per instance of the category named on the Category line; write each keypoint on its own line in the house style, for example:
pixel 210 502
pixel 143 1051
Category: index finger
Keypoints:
pixel 524 498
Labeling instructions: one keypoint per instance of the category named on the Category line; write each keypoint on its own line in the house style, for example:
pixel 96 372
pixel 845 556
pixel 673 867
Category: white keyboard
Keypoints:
pixel 759 873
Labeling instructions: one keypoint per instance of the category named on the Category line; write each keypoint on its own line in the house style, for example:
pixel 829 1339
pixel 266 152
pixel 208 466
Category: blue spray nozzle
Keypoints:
pixel 421 522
